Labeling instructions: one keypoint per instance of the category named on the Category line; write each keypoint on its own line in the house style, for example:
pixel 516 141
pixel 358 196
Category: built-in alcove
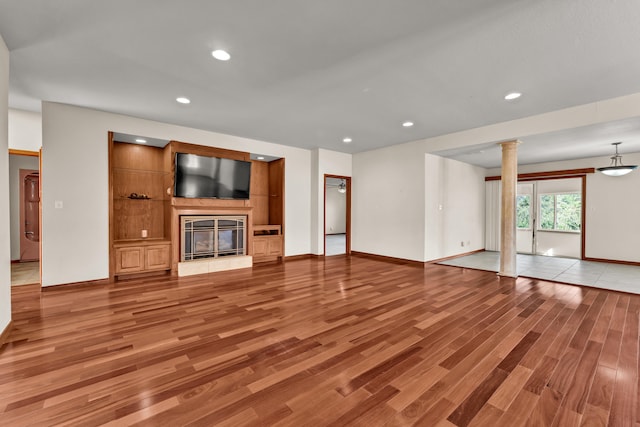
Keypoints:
pixel 145 218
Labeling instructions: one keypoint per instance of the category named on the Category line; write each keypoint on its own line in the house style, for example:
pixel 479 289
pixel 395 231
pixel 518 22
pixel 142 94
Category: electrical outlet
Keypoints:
pixel 462 244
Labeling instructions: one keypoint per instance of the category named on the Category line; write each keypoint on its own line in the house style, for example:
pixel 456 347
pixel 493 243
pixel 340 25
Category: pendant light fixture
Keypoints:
pixel 616 168
pixel 342 188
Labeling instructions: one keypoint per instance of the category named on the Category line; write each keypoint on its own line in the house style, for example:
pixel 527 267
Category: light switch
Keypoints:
pixel 58 204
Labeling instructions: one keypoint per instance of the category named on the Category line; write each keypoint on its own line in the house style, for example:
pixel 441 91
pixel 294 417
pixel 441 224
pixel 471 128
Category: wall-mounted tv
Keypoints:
pixel 211 177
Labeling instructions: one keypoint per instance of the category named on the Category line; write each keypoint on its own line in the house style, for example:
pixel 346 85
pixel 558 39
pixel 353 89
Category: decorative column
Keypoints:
pixel 508 209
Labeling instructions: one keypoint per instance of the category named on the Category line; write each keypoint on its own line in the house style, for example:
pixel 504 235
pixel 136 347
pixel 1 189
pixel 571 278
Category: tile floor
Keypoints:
pixel 25 273
pixel 336 244
pixel 616 277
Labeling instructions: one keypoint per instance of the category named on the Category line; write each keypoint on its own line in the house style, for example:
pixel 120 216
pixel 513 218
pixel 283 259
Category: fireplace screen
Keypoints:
pixel 212 236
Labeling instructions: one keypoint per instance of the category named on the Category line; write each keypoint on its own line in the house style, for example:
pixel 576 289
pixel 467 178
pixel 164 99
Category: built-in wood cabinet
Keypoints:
pixel 139 202
pixel 267 243
pixel 142 256
pixel 145 217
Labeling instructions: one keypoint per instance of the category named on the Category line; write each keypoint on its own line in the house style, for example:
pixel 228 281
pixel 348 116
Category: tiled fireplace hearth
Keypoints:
pixel 211 243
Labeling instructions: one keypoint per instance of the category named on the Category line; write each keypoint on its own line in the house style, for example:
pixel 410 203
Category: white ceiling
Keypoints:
pixel 308 73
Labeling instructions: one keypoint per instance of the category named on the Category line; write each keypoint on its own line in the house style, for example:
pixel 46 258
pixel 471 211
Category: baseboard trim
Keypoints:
pixel 74 285
pixel 613 261
pixel 385 258
pixel 4 336
pixel 299 257
pixel 435 261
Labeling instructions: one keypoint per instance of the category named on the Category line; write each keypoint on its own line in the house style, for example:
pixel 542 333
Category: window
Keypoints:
pixel 560 212
pixel 523 211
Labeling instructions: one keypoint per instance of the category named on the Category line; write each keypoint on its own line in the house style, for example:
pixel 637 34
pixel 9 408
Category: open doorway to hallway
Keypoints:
pixel 337 215
pixel 25 216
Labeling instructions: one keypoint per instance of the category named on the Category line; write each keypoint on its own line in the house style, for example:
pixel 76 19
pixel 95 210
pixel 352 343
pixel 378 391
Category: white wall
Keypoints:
pixel 75 171
pixel 454 207
pixel 388 202
pixel 25 130
pixel 611 225
pixel 16 163
pixel 324 162
pixel 5 257
pixel 336 211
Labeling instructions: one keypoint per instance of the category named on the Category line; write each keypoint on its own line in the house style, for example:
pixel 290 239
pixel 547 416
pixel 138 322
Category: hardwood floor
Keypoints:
pixel 341 341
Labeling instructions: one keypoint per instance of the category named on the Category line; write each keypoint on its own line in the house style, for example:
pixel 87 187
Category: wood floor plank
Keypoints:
pixel 335 341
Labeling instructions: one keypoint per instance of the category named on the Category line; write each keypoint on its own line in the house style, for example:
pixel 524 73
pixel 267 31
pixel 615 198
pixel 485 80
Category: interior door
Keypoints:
pixel 525 218
pixel 29 215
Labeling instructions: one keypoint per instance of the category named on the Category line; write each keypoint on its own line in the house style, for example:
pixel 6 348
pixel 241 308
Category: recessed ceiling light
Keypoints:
pixel 407 124
pixel 260 157
pixel 221 55
pixel 140 140
pixel 183 100
pixel 513 95
pixel 347 140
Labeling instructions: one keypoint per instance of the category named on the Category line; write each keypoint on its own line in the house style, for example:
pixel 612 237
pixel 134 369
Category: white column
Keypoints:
pixel 508 209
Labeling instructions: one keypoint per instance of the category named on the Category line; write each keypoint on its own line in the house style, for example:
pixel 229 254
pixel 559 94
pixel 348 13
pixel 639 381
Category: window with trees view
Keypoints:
pixel 523 211
pixel 560 212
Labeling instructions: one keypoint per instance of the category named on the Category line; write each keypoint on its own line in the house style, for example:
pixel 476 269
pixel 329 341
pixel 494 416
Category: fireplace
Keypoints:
pixel 212 236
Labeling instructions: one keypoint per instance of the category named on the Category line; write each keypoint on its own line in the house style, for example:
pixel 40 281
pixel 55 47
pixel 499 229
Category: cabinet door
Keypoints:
pixel 275 246
pixel 158 257
pixel 259 246
pixel 129 259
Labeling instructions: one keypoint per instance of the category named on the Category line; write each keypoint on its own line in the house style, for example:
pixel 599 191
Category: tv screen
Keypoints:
pixel 211 177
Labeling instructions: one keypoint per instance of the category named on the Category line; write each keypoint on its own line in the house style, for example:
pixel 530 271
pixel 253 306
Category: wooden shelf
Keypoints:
pixel 259 230
pixel 140 242
pixel 137 169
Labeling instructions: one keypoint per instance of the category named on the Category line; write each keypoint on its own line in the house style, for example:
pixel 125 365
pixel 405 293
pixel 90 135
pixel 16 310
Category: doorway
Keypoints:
pixel 337 215
pixel 25 216
pixel 549 217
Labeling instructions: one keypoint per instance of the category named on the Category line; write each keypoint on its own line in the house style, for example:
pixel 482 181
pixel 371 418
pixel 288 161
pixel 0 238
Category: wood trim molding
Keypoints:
pixel 301 257
pixel 24 152
pixel 388 259
pixel 566 173
pixel 613 261
pixel 4 336
pixel 73 285
pixel 435 261
pixel 583 209
pixel 112 255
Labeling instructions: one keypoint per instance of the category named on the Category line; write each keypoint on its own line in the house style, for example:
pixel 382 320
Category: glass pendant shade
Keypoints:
pixel 617 168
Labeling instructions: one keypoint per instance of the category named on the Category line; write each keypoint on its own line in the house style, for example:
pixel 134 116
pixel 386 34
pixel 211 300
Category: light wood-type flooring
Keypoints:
pixel 25 273
pixel 342 341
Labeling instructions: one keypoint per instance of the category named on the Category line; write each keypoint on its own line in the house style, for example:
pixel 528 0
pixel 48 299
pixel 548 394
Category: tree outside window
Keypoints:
pixel 523 211
pixel 561 212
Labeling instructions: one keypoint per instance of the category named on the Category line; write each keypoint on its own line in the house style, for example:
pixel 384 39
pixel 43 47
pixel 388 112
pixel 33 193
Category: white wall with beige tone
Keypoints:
pixel 336 211
pixel 75 239
pixel 5 249
pixel 454 207
pixel 25 130
pixel 388 203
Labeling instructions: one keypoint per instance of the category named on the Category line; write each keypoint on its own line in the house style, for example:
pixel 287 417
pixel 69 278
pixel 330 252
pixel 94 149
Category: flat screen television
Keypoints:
pixel 211 177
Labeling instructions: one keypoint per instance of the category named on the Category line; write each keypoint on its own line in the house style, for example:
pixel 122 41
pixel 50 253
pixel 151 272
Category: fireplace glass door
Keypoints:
pixel 212 236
